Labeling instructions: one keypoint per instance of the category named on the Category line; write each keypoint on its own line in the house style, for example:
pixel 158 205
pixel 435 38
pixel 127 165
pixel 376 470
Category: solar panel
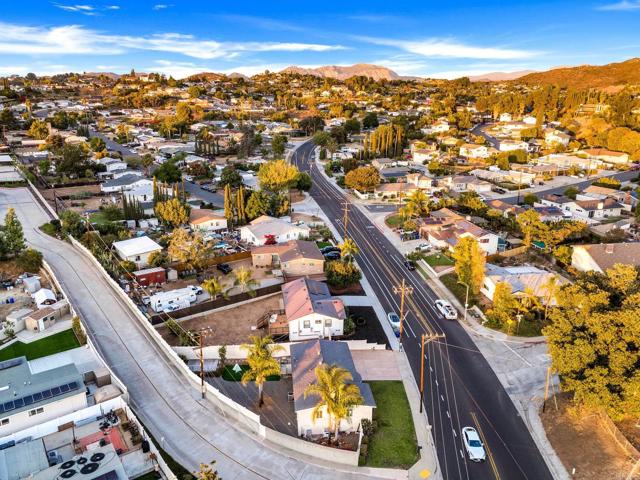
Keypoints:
pixel 8 406
pixel 64 388
pixel 1 408
pixel 18 403
pixel 46 394
pixel 55 391
pixel 28 400
pixel 37 397
pixel 73 385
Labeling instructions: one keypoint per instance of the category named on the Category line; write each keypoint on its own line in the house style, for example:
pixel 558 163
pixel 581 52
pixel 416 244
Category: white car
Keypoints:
pixel 394 320
pixel 188 178
pixel 446 309
pixel 424 247
pixel 473 445
pixel 197 290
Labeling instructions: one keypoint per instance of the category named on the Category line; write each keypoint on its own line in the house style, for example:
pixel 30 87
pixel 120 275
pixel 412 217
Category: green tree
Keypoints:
pixel 168 172
pixel 363 179
pixel 322 139
pixel 214 287
pixel 471 202
pixel 241 213
pixel 8 120
pixel 530 225
pixel 146 161
pixel 530 198
pixel 30 260
pixel 38 130
pixel 352 126
pixel 341 274
pixel 207 472
pixel 370 120
pixel 420 202
pixel 304 182
pixel 311 124
pixel 262 364
pixel 278 145
pixel 158 259
pixel 336 396
pixel 228 203
pixel 97 144
pixel 13 236
pixel 504 305
pixel 72 223
pixel 277 175
pixel 230 176
pixel 349 249
pixel 259 204
pixel 188 249
pixel 469 261
pixel 44 166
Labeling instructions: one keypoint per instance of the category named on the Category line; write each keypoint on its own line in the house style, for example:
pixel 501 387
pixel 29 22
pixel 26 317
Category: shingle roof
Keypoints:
pixel 291 250
pixel 200 215
pixel 606 255
pixel 306 356
pixel 305 296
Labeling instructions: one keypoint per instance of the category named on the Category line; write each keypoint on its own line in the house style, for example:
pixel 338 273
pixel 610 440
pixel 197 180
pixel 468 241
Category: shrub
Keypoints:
pixel 77 330
pixel 349 326
pixel 30 260
pixel 341 274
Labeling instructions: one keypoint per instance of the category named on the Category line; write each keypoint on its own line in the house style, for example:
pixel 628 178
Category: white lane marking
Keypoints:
pixel 454 433
pixel 517 354
pixel 448 415
pixel 461 454
pixel 441 398
pixel 408 325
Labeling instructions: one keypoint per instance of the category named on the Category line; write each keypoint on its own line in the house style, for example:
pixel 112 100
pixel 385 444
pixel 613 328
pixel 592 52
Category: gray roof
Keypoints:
pixel 25 390
pixel 123 181
pixel 305 296
pixel 606 255
pixel 306 356
pixel 23 459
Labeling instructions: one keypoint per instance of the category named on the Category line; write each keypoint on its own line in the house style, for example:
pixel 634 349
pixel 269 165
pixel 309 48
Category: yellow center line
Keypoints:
pixel 494 467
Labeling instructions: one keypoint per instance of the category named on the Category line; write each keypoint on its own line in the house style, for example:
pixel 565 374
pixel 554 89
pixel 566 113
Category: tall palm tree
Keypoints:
pixel 408 211
pixel 213 286
pixel 529 301
pixel 335 394
pixel 349 249
pixel 551 290
pixel 261 362
pixel 244 280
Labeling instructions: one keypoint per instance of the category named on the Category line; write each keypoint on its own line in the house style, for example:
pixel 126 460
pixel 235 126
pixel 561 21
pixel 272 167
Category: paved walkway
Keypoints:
pixel 191 430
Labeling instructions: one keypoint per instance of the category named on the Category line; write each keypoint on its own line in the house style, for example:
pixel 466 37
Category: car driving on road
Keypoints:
pixel 473 445
pixel 410 265
pixel 446 309
pixel 394 320
pixel 224 268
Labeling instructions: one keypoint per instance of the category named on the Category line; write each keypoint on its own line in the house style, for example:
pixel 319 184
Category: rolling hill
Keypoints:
pixel 612 76
pixel 376 72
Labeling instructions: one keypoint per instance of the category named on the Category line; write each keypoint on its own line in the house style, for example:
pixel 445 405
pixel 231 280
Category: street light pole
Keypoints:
pixel 466 303
pixel 403 290
pixel 424 339
pixel 201 334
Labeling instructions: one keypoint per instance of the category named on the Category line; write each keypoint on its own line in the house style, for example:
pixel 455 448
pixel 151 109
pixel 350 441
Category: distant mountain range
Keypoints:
pixel 500 76
pixel 376 72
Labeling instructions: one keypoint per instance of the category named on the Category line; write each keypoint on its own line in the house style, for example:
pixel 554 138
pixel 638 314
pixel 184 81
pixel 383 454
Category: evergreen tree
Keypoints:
pixel 12 233
pixel 228 204
pixel 241 214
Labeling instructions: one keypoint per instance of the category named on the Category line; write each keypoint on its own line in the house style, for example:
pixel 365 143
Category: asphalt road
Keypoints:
pixel 194 189
pixel 190 429
pixel 461 389
pixel 478 130
pixel 115 146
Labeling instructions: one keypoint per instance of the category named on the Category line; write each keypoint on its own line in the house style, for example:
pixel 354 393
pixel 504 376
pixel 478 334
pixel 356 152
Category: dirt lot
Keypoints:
pixel 79 205
pixel 582 444
pixel 231 326
pixel 69 191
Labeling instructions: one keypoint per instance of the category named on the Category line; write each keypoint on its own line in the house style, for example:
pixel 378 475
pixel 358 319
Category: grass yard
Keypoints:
pixel 394 443
pixel 394 221
pixel 323 244
pixel 99 218
pixel 438 260
pixel 450 281
pixel 60 342
pixel 231 376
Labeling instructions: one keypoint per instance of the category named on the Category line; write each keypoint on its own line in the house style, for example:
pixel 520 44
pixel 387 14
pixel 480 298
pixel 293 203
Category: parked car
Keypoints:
pixel 146 300
pixel 188 178
pixel 197 290
pixel 446 309
pixel 329 249
pixel 499 190
pixel 473 445
pixel 394 320
pixel 332 256
pixel 424 247
pixel 224 268
pixel 410 265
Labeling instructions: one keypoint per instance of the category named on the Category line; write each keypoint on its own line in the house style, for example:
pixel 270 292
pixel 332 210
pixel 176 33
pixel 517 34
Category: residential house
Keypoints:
pixel 311 312
pixel 205 219
pixel 471 150
pixel 125 183
pixel 421 181
pixel 41 319
pixel 550 214
pixel 136 250
pixel 30 399
pixel 556 137
pixel 113 164
pixel 381 163
pixel 424 155
pixel 44 298
pixel 264 228
pixel 296 258
pixel 590 211
pixel 608 156
pixel 602 256
pixel 567 161
pixel 522 279
pixel 305 357
pixel 505 117
pixel 494 174
pixel 464 183
pixel 506 209
pixel 512 145
pixel 447 237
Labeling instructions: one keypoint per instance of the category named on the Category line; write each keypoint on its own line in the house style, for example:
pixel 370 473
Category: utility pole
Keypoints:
pixel 345 216
pixel 402 290
pixel 201 335
pixel 424 340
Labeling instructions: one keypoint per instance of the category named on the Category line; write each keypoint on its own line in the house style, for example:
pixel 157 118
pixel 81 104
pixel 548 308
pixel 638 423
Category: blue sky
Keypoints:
pixel 444 39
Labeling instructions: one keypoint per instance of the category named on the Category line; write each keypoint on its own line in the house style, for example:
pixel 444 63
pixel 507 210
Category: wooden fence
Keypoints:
pixel 508 253
pixel 211 261
pixel 214 304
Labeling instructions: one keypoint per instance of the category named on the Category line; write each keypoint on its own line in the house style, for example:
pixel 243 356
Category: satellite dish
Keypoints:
pixel 237 368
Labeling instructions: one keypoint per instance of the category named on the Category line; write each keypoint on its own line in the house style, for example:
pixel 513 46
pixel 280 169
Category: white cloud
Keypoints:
pixel 446 48
pixel 84 9
pixel 185 69
pixel 112 7
pixel 623 6
pixel 75 39
pixel 161 6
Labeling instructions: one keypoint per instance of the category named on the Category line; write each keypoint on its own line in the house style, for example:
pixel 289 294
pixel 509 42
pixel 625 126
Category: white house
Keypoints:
pixel 258 231
pixel 126 182
pixel 552 136
pixel 589 211
pixel 447 237
pixel 29 399
pixel 113 164
pixel 602 256
pixel 136 250
pixel 512 145
pixel 311 311
pixel 305 357
pixel 471 150
pixel 505 117
pixel 205 219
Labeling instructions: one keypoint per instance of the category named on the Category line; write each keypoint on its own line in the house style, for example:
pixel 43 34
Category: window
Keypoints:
pixel 137 258
pixel 319 414
pixel 318 322
pixel 36 411
pixel 4 421
pixel 327 322
pixel 306 324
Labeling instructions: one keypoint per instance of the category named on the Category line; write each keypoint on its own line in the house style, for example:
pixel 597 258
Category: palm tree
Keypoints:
pixel 261 362
pixel 408 211
pixel 244 280
pixel 529 301
pixel 349 249
pixel 214 287
pixel 420 202
pixel 551 290
pixel 335 394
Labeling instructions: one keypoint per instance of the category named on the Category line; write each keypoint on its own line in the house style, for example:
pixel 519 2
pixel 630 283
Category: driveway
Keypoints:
pixel 190 429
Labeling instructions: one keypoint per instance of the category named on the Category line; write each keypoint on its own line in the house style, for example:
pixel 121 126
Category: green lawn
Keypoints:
pixel 438 260
pixel 56 343
pixel 450 281
pixel 394 221
pixel 99 217
pixel 231 376
pixel 394 443
pixel 323 244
